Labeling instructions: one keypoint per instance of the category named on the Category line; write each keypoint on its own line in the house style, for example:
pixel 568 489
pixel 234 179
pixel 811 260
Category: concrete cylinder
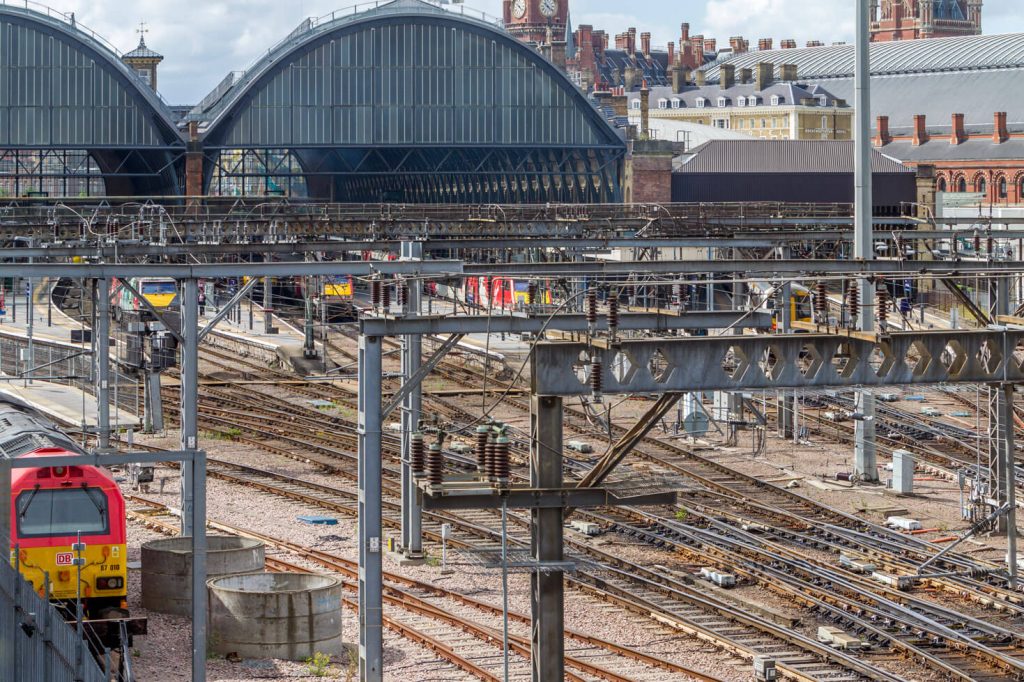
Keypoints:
pixel 167 568
pixel 290 616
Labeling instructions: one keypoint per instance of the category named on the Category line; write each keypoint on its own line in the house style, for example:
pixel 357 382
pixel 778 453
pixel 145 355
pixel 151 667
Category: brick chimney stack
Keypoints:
pixel 600 43
pixel 958 135
pixel 815 43
pixel 1000 134
pixel 645 111
pixel 883 138
pixel 684 33
pixel 764 44
pixel 788 73
pixel 765 75
pixel 711 45
pixel 645 44
pixel 920 130
pixel 788 44
pixel 701 78
pixel 631 36
pixel 726 76
pixel 739 45
pixel 746 75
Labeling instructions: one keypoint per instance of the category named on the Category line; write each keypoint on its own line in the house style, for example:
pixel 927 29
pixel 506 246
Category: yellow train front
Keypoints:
pixel 68 526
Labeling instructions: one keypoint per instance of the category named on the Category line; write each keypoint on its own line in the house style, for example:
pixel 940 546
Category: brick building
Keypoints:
pixel 914 19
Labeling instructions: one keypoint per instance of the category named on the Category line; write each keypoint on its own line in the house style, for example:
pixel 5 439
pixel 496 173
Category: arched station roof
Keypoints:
pixel 409 89
pixel 63 88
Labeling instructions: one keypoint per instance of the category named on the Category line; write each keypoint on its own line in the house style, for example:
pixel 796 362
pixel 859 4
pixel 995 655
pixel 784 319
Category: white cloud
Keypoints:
pixel 825 20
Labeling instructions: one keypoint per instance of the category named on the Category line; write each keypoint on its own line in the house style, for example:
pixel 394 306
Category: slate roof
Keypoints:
pixel 142 52
pixel 783 156
pixel 789 93
pixel 908 56
pixel 939 149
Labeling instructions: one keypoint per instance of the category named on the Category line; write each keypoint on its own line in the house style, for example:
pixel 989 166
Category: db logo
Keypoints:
pixel 65 558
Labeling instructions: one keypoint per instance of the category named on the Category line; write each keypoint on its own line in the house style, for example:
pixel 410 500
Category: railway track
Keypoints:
pixel 798 510
pixel 441 630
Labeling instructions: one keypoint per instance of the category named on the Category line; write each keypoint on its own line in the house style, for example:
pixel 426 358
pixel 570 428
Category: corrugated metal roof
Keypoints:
pixel 910 56
pixel 783 156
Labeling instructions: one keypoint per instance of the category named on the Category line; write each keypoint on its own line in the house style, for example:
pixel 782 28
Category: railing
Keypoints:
pixel 36 645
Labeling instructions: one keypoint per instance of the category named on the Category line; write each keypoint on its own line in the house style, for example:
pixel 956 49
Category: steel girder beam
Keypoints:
pixel 740 363
pixel 962 296
pixel 567 322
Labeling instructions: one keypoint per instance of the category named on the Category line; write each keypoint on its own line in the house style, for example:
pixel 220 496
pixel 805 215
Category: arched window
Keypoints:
pixel 941 185
pixel 961 185
pixel 980 185
pixel 1002 188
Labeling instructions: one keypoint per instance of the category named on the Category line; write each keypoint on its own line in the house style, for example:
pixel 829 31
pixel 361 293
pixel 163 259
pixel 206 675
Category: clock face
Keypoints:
pixel 548 7
pixel 519 9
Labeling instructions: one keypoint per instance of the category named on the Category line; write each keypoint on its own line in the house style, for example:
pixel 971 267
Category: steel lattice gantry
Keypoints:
pixel 74 119
pixel 412 103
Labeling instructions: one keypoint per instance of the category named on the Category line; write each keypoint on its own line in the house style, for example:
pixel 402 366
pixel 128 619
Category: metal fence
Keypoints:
pixel 36 645
pixel 69 365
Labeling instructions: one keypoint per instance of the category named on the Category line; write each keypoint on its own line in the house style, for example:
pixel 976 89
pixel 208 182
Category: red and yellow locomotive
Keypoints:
pixel 53 508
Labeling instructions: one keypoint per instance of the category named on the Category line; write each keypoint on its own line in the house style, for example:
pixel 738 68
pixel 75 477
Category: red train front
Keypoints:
pixel 52 507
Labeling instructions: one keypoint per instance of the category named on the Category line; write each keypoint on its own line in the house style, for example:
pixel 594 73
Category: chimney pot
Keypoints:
pixel 685 32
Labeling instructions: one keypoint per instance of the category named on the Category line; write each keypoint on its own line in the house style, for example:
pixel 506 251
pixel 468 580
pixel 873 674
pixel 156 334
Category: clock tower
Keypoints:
pixel 529 20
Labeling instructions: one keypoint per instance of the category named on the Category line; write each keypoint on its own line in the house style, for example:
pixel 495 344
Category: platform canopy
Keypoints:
pixel 408 102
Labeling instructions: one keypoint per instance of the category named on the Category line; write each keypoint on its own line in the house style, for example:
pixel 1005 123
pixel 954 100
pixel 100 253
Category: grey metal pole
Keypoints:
pixel 1010 482
pixel 268 306
pixel 371 605
pixel 193 505
pixel 547 596
pixel 865 453
pixel 504 582
pixel 412 497
pixel 103 362
pixel 29 321
pixel 786 398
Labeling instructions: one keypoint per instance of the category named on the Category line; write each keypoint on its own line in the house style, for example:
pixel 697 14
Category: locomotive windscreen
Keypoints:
pixel 62 512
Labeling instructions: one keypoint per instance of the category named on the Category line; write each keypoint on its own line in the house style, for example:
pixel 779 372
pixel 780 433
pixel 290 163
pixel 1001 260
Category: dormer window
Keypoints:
pixel 823 100
pixel 675 102
pixel 752 101
pixel 701 102
pixel 775 100
pixel 721 101
pixel 663 103
pixel 635 104
pixel 742 101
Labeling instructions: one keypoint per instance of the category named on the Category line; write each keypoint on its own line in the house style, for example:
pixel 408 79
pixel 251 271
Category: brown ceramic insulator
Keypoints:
pixel 435 465
pixel 591 306
pixel 613 314
pixel 853 301
pixel 503 466
pixel 417 455
pixel 375 292
pixel 596 378
pixel 385 295
pixel 491 469
pixel 531 293
pixel 480 449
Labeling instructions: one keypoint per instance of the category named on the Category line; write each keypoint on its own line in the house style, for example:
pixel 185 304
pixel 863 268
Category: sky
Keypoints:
pixel 203 40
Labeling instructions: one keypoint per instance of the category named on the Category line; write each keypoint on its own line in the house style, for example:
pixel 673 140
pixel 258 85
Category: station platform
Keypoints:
pixel 68 406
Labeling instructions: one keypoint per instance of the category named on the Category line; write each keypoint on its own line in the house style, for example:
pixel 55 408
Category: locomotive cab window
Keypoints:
pixel 157 287
pixel 62 512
